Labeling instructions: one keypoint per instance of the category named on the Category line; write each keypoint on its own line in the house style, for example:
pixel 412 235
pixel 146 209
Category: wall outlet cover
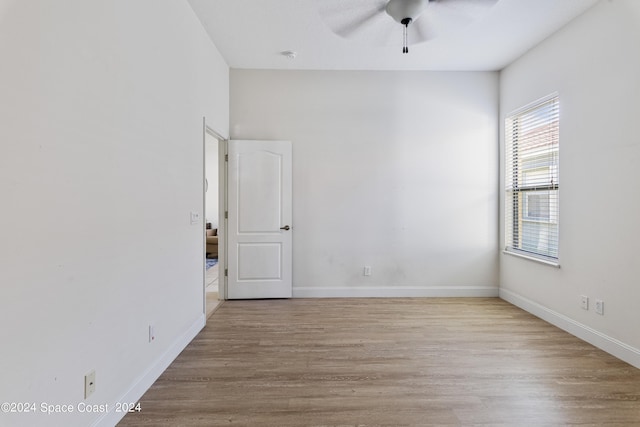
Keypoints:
pixel 600 307
pixel 89 383
pixel 584 302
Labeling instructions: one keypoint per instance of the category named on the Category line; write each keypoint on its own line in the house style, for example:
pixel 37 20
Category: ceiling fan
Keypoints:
pixel 373 20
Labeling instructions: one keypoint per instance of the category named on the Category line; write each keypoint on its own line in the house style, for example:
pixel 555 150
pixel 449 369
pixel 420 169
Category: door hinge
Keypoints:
pixel 226 271
pixel 226 157
pixel 226 214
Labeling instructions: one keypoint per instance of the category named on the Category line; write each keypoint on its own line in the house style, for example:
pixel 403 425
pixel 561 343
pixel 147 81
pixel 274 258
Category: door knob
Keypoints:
pixel 286 227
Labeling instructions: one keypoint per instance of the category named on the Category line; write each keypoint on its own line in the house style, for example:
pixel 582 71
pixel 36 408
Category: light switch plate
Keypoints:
pixel 195 218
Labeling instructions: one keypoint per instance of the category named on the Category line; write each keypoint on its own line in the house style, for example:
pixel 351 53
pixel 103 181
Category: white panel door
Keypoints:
pixel 259 224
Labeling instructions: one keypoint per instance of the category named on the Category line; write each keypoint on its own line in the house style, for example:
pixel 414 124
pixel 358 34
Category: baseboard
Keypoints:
pixel 146 380
pixel 395 292
pixel 604 342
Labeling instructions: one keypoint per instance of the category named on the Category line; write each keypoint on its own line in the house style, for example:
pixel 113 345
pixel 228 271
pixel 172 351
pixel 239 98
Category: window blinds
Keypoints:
pixel 532 179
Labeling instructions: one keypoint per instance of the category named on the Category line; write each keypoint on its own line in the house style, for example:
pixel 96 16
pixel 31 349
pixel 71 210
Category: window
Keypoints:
pixel 532 180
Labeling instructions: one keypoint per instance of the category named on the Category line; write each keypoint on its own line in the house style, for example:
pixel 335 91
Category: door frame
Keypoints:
pixel 222 208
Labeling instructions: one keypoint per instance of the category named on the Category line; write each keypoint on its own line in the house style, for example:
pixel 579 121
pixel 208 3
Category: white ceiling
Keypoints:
pixel 253 33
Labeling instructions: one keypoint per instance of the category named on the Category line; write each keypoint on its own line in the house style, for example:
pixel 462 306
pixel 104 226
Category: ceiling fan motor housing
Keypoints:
pixel 401 10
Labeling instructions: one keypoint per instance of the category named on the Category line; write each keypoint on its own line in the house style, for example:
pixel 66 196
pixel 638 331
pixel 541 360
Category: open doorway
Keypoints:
pixel 213 240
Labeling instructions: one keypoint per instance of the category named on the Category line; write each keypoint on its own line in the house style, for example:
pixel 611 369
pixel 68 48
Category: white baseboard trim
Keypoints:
pixel 148 377
pixel 604 342
pixel 395 292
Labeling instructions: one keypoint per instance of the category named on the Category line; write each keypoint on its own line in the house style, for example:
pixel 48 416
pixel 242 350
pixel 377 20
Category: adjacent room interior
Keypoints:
pixel 211 214
pixel 399 168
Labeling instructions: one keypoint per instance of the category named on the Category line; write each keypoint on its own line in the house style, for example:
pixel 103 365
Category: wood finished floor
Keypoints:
pixel 389 362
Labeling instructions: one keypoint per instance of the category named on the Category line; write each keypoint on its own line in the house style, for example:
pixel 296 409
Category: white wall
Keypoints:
pixel 396 170
pixel 101 107
pixel 594 65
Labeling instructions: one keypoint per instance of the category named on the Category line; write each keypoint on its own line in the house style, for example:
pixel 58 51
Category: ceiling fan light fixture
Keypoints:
pixel 400 10
pixel 405 12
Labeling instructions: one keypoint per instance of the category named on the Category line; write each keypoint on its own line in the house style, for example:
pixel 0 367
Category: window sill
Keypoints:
pixel 532 258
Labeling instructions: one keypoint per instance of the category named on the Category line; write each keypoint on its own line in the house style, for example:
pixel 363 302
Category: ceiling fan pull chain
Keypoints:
pixel 405 35
pixel 405 48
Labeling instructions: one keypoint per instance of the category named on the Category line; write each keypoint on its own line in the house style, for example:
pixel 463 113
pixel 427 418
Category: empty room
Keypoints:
pixel 426 212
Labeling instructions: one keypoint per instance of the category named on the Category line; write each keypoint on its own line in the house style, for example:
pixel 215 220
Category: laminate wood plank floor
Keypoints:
pixel 388 362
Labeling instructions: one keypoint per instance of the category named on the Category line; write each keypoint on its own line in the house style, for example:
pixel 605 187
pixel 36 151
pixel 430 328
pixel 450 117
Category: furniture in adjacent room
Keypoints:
pixel 212 243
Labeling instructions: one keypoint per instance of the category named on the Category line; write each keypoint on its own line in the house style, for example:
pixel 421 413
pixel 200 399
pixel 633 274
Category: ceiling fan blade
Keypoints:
pixel 446 16
pixel 358 24
pixel 348 18
pixel 461 10
pixel 420 31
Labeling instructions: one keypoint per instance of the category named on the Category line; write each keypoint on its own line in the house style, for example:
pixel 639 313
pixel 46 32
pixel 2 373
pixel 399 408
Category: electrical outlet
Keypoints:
pixel 600 307
pixel 89 383
pixel 152 333
pixel 367 270
pixel 584 302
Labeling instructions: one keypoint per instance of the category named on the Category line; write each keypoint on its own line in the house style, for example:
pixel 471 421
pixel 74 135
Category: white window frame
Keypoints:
pixel 516 192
